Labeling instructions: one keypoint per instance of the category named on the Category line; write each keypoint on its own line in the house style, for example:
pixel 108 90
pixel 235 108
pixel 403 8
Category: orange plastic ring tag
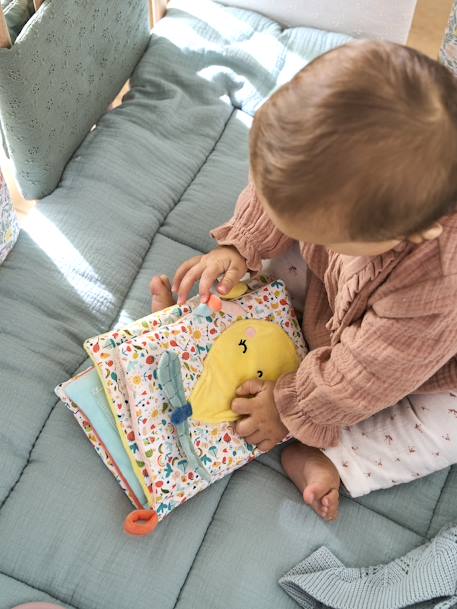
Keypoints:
pixel 141 522
pixel 214 303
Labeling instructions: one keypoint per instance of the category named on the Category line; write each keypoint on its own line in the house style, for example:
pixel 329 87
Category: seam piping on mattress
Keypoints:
pixel 437 502
pixel 56 598
pixel 400 524
pixel 352 500
pixel 178 200
pixel 178 241
pixel 178 598
pixel 2 504
pixel 381 515
pixel 159 230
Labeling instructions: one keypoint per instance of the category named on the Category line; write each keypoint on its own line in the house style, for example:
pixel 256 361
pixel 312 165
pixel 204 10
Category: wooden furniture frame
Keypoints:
pixel 157 9
pixel 5 39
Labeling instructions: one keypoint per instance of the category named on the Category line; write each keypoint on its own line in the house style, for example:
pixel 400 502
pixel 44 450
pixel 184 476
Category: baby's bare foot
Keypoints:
pixel 315 476
pixel 161 293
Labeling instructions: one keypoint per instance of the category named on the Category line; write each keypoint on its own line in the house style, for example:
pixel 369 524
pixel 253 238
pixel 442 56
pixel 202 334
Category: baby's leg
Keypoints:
pixel 315 476
pixel 161 293
pixel 415 438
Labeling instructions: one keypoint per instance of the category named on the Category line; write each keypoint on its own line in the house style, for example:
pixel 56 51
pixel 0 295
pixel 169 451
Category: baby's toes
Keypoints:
pixel 156 285
pixel 330 504
pixel 165 282
pixel 314 494
pixel 161 293
pixel 159 285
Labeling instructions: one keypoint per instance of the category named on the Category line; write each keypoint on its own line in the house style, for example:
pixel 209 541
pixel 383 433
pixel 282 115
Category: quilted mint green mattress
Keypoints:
pixel 138 197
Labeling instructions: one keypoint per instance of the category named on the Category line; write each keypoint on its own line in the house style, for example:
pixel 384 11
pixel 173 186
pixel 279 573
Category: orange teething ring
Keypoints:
pixel 214 303
pixel 141 522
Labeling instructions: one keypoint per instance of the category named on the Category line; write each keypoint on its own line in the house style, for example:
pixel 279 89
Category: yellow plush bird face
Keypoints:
pixel 248 349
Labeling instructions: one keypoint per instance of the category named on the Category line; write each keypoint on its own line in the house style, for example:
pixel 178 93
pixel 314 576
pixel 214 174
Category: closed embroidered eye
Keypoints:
pixel 243 344
pixel 259 373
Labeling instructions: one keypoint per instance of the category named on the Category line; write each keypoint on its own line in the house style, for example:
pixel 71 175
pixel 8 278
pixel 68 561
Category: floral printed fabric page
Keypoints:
pixel 237 331
pixel 448 53
pixel 84 397
pixel 9 227
pixel 102 349
pixel 94 438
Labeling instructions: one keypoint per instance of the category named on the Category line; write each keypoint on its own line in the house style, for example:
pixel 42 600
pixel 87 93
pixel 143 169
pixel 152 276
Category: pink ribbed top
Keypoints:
pixel 378 327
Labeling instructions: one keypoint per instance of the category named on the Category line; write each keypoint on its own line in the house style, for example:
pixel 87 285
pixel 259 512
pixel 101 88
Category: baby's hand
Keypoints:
pixel 261 424
pixel 226 261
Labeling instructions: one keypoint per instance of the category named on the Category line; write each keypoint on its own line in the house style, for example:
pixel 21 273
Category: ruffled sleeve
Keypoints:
pixel 381 358
pixel 299 423
pixel 251 231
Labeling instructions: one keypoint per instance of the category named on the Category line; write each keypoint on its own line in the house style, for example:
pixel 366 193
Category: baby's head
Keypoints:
pixel 359 150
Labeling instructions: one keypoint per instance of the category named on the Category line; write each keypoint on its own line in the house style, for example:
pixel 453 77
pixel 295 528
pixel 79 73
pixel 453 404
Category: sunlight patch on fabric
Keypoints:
pixel 73 266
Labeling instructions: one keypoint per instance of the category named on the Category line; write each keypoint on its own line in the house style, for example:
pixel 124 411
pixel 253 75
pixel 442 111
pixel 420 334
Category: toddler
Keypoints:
pixel 355 161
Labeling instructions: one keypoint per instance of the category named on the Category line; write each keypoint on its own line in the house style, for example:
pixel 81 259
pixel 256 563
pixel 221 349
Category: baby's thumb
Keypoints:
pixel 230 279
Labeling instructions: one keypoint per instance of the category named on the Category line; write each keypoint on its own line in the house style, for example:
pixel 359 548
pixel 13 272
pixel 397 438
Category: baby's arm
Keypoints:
pixel 252 232
pixel 391 352
pixel 247 239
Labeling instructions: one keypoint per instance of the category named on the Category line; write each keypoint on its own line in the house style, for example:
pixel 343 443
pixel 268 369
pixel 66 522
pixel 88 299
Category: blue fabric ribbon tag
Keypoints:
pixel 181 414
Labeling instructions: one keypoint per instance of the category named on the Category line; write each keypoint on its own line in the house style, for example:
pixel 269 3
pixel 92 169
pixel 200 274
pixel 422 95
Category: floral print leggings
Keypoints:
pixel 415 438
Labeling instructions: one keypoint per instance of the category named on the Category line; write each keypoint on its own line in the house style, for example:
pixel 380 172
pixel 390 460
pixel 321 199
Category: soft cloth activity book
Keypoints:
pixel 157 403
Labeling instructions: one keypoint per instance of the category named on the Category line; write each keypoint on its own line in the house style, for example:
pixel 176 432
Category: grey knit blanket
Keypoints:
pixel 425 578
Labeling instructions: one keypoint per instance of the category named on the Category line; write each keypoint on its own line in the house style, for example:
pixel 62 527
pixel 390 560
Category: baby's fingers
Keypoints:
pixel 230 279
pixel 242 406
pixel 188 282
pixel 182 270
pixel 208 278
pixel 251 387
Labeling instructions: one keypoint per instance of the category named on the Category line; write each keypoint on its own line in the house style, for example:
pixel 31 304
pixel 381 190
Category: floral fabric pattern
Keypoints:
pixel 448 52
pixel 414 438
pixel 9 228
pixel 218 446
pixel 102 349
pixel 127 360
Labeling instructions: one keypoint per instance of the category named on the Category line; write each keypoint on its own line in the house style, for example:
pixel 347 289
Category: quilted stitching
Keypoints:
pixel 153 155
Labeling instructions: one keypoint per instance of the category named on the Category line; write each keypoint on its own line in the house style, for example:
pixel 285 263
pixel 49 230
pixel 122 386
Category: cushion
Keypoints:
pixel 64 69
pixel 17 13
pixel 137 198
pixel 372 19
